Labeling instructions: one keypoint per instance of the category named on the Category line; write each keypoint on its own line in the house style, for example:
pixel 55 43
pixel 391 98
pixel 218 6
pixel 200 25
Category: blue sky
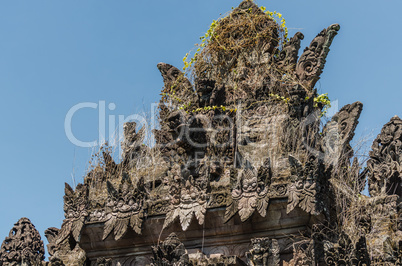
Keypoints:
pixel 57 54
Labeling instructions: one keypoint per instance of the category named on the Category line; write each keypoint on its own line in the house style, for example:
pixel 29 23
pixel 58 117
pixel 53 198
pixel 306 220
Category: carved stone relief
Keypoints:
pixel 303 190
pixel 188 198
pixel 124 208
pixel 264 252
pixel 76 212
pixel 344 252
pixel 250 193
pixel 312 61
pixel 170 252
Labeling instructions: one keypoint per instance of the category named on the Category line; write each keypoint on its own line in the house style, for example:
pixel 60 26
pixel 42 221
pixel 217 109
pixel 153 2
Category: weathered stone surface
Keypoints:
pixel 250 193
pixel 188 199
pixel 124 208
pixel 242 171
pixel 312 61
pixel 309 183
pixel 170 252
pixel 264 252
pixel 344 252
pixel 385 172
pixel 75 211
pixel 23 246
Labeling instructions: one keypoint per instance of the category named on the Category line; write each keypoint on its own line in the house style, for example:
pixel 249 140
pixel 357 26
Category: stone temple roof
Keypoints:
pixel 242 171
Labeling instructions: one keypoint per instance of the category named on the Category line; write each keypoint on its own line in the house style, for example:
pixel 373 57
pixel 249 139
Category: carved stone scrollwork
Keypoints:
pixel 124 208
pixel 288 56
pixel 312 61
pixel 337 135
pixel 188 199
pixel 75 209
pixel 23 245
pixel 344 252
pixel 250 193
pixel 170 252
pixel 385 163
pixel 264 252
pixel 208 94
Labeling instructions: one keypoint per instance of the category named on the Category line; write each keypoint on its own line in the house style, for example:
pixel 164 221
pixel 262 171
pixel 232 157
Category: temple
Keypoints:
pixel 242 171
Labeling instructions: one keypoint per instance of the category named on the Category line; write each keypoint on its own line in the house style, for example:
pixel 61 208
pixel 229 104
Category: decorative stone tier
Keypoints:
pixel 213 237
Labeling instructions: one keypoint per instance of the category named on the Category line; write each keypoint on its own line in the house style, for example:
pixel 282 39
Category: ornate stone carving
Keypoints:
pixel 23 245
pixel 103 262
pixel 75 209
pixel 250 193
pixel 288 56
pixel 337 135
pixel 64 252
pixel 51 235
pixel 303 254
pixel 208 93
pixel 214 260
pixel 303 190
pixel 252 100
pixel 177 87
pixel 344 252
pixel 263 252
pixel 132 145
pixel 170 252
pixel 74 257
pixel 279 190
pixel 188 198
pixel 385 163
pixel 124 208
pixel 383 234
pixel 312 61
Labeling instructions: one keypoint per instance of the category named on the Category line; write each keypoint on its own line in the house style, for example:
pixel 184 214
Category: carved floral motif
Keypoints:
pixel 248 103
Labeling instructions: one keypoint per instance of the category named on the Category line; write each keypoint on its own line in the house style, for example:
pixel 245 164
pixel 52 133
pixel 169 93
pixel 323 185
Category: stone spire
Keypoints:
pixel 23 245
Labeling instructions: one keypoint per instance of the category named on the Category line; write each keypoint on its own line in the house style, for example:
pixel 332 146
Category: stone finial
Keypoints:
pixel 384 165
pixel 23 245
pixel 312 61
